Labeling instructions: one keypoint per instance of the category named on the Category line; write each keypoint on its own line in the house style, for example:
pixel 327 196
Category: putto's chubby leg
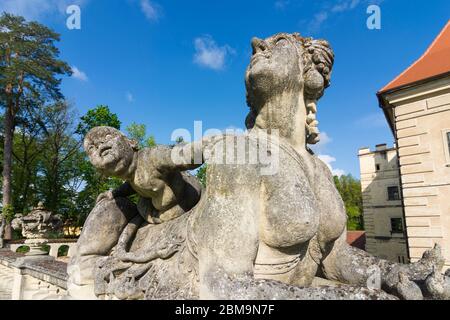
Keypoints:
pixel 100 234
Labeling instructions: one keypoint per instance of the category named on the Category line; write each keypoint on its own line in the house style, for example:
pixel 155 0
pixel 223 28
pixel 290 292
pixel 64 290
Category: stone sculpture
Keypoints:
pixel 149 172
pixel 252 234
pixel 36 227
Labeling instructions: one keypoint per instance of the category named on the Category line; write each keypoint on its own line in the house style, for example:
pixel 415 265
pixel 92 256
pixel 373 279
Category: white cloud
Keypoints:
pixel 151 10
pixel 327 159
pixel 78 74
pixel 320 147
pixel 37 9
pixel 345 5
pixel 317 21
pixel 338 172
pixel 209 54
pixel 129 96
pixel 330 8
pixel 281 4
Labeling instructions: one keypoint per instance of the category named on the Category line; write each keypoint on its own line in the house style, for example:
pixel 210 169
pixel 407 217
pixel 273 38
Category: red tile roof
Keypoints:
pixel 434 62
pixel 357 239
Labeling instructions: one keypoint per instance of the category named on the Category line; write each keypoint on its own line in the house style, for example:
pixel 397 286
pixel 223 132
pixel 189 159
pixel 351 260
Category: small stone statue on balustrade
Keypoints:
pixel 36 227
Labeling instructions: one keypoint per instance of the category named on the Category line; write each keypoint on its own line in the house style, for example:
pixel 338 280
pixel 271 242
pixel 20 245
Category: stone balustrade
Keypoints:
pixel 54 244
pixel 31 278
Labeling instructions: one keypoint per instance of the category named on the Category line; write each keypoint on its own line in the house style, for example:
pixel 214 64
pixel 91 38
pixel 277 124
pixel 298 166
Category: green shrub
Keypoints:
pixel 63 251
pixel 23 249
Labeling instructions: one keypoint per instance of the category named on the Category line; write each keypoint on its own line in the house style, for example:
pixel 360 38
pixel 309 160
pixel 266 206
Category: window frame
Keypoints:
pixel 397 231
pixel 398 193
pixel 446 143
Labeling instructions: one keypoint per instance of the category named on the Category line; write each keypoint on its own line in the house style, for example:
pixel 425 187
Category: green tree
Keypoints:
pixel 138 132
pixel 29 70
pixel 27 152
pixel 60 173
pixel 99 116
pixel 350 190
pixel 179 140
pixel 46 159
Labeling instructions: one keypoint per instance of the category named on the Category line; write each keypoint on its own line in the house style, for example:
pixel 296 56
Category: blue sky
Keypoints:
pixel 169 63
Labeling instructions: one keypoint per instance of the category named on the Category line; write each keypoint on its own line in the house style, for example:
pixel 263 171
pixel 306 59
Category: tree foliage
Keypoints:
pixel 60 174
pixel 30 72
pixel 201 174
pixel 47 157
pixel 29 62
pixel 350 190
pixel 98 116
pixel 138 132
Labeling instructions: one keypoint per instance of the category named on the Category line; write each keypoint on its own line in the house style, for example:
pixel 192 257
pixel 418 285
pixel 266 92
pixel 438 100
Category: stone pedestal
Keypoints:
pixel 36 247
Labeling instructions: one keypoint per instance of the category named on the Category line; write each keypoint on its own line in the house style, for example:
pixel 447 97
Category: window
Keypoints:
pixel 448 141
pixel 396 225
pixel 393 193
pixel 377 167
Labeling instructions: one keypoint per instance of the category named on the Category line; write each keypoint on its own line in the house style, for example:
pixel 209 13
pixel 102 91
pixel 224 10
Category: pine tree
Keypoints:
pixel 29 72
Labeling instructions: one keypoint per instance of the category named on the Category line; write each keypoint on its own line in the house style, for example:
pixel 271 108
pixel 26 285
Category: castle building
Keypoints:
pixel 382 205
pixel 417 108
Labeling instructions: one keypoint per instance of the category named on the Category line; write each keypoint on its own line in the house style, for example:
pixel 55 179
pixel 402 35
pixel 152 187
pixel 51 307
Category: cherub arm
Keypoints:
pixel 124 190
pixel 186 156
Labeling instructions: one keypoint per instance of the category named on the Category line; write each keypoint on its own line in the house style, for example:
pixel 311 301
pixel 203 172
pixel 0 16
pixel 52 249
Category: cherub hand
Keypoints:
pixel 107 195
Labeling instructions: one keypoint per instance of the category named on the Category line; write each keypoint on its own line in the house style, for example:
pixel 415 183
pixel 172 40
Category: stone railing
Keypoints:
pixel 31 278
pixel 54 244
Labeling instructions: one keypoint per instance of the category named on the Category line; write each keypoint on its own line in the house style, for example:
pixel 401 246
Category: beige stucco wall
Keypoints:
pixel 422 117
pixel 378 210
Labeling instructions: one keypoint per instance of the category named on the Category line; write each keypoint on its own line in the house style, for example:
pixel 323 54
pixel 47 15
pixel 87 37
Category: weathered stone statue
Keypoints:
pixel 166 192
pixel 254 233
pixel 36 227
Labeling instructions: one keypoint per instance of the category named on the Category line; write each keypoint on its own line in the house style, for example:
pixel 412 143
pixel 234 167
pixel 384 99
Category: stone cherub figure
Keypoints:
pixel 253 235
pixel 155 174
pixel 165 191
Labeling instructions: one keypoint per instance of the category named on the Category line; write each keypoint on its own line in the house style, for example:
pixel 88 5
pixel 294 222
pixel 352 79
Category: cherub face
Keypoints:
pixel 109 150
pixel 274 66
